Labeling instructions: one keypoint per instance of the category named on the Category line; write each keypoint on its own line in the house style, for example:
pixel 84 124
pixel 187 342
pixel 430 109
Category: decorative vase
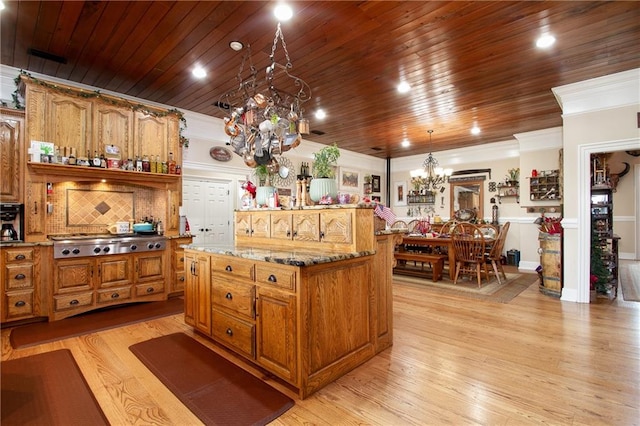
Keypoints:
pixel 320 187
pixel 263 193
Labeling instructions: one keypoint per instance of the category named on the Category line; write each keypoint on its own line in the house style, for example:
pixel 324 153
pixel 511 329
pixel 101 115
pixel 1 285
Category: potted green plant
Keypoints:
pixel 323 183
pixel 265 189
pixel 513 176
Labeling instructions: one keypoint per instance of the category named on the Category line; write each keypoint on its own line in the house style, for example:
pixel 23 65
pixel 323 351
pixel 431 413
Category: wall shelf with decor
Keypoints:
pixel 508 190
pixel 545 185
pixel 427 198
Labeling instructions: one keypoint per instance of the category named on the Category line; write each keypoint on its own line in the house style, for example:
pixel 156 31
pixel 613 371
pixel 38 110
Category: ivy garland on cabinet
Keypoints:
pixel 120 102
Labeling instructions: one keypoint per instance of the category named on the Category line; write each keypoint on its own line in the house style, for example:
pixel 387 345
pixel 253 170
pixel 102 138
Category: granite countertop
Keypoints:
pixel 284 257
pixel 4 244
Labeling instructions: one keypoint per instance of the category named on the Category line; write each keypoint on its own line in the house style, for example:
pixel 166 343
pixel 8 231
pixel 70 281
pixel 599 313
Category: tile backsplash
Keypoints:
pixel 90 208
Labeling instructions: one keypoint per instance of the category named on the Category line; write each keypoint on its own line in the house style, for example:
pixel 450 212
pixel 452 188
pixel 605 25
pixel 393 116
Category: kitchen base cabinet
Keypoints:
pixel 306 325
pixel 176 283
pixel 20 277
pixel 197 291
pixel 87 283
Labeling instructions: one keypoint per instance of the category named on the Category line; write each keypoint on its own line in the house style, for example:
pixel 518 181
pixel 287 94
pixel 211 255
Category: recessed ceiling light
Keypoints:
pixel 283 12
pixel 1 5
pixel 236 45
pixel 405 143
pixel 320 114
pixel 404 87
pixel 199 72
pixel 475 130
pixel 545 41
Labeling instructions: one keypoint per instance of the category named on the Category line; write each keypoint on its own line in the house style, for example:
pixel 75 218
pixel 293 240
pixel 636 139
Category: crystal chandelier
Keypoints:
pixel 266 116
pixel 431 177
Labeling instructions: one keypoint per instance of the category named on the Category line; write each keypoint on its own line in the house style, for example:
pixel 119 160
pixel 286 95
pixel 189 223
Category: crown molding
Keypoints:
pixel 540 139
pixel 610 91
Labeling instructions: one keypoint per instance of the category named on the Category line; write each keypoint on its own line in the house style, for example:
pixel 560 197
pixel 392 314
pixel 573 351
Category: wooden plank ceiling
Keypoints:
pixel 469 63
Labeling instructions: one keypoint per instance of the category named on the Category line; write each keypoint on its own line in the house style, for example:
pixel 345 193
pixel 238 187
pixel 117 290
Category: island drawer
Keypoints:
pixel 148 289
pixel 275 275
pixel 234 332
pixel 232 266
pixel 238 298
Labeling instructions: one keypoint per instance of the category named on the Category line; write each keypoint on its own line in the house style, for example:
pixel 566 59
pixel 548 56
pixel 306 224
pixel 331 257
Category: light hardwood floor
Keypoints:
pixel 454 361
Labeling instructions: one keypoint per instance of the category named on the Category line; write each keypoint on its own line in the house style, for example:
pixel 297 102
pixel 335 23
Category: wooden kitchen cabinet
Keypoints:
pixel 197 294
pixel 276 325
pixel 277 316
pixel 333 230
pixel 176 284
pixel 86 283
pixel 69 122
pixel 35 193
pixel 252 225
pixel 11 142
pixel 20 277
pixel 113 125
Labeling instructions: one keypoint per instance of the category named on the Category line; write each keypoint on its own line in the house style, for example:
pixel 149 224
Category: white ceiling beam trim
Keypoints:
pixel 611 91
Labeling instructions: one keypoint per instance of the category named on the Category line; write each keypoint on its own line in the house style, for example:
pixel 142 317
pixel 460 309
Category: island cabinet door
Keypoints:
pixel 242 224
pixel 306 226
pixel 276 346
pixel 336 226
pixel 281 226
pixel 197 292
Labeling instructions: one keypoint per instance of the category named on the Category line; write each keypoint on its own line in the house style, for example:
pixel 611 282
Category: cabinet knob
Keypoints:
pixel 20 304
pixel 20 257
pixel 228 268
pixel 115 295
pixel 20 277
pixel 229 332
pixel 321 235
pixel 181 278
pixel 272 279
pixel 229 296
pixel 288 233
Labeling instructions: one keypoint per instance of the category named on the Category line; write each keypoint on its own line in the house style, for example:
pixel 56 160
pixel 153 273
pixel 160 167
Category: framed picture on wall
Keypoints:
pixel 400 194
pixel 376 198
pixel 349 180
pixel 375 183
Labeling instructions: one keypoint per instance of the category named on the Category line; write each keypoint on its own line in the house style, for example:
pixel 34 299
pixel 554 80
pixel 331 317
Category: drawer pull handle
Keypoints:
pixel 181 259
pixel 228 268
pixel 150 290
pixel 20 304
pixel 20 257
pixel 181 279
pixel 115 295
pixel 321 235
pixel 20 277
pixel 288 233
pixel 74 302
pixel 229 332
pixel 273 279
pixel 229 296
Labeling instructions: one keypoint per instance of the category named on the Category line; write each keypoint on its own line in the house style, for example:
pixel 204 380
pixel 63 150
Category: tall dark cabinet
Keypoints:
pixel 603 236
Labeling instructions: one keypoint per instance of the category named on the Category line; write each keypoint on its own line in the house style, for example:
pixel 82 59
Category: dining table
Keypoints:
pixel 420 241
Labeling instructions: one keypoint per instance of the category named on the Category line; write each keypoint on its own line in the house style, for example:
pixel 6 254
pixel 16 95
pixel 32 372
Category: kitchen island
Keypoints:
pixel 305 317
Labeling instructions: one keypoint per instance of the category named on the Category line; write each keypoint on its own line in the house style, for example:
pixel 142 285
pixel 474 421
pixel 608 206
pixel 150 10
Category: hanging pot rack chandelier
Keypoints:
pixel 431 177
pixel 266 116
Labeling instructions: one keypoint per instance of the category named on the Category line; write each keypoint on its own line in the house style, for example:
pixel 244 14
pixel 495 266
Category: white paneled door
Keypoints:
pixel 209 210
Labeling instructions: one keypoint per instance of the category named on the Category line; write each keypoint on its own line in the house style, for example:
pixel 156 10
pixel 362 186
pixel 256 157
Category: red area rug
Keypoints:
pixel 214 389
pixel 47 389
pixel 91 322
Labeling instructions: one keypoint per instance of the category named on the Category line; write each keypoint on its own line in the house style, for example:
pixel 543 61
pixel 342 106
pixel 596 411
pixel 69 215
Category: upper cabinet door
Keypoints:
pixel 69 123
pixel 11 134
pixel 151 136
pixel 113 126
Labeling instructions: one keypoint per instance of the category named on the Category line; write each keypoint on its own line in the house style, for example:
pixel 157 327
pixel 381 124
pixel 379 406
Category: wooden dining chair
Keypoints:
pixel 399 224
pixel 495 254
pixel 411 226
pixel 469 249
